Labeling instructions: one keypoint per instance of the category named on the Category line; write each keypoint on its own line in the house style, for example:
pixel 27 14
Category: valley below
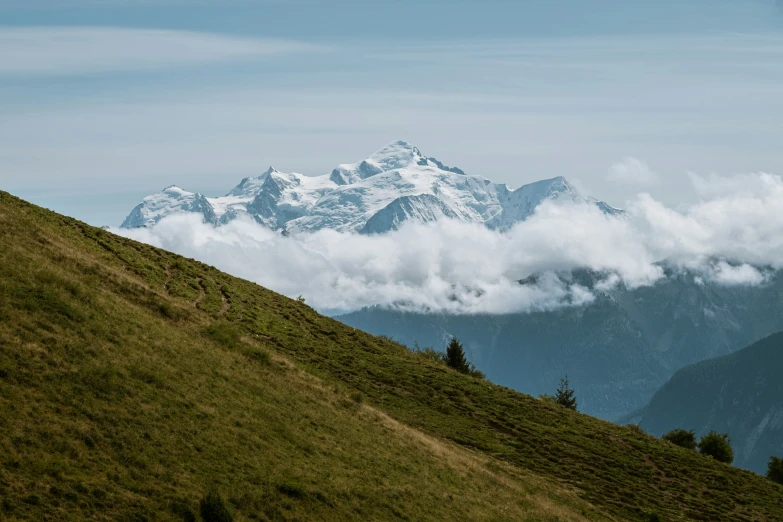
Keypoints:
pixel 617 351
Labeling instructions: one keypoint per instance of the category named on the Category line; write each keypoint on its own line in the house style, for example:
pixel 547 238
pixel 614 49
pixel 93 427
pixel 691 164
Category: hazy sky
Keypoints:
pixel 105 101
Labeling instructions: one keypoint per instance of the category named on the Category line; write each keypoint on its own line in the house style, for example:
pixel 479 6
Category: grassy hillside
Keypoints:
pixel 132 381
pixel 740 394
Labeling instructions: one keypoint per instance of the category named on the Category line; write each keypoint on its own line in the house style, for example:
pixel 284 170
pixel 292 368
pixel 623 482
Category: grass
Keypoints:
pixel 133 382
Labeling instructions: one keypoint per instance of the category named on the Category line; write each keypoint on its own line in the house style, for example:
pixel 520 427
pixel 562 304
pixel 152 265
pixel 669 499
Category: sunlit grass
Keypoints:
pixel 133 381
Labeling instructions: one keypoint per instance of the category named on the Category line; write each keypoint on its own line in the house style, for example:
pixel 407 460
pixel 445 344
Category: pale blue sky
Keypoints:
pixel 105 101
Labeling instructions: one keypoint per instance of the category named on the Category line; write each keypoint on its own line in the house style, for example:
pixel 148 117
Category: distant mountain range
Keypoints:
pixel 617 351
pixel 394 185
pixel 740 394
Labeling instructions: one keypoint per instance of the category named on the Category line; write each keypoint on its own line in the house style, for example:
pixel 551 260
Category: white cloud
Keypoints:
pixel 631 171
pixel 460 268
pixel 80 50
pixel 746 185
pixel 743 274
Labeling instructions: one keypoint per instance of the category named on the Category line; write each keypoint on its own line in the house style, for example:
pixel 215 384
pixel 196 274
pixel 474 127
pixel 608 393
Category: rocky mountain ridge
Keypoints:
pixel 394 185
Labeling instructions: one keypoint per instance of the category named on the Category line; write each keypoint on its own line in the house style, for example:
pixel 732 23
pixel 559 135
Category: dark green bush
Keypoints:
pixel 213 509
pixel 683 438
pixel 775 469
pixel 718 446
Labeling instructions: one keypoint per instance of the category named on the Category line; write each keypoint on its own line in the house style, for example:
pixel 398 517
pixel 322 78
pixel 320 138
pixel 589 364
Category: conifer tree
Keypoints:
pixel 565 394
pixel 775 469
pixel 455 356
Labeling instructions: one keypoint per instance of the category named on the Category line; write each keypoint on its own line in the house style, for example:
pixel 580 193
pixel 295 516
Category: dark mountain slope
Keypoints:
pixel 133 380
pixel 617 351
pixel 740 394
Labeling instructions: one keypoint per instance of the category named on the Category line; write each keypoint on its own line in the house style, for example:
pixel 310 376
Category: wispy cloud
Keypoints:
pixel 632 171
pixel 82 50
pixel 513 111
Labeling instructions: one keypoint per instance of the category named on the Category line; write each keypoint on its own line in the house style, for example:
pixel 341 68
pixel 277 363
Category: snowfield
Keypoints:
pixel 394 185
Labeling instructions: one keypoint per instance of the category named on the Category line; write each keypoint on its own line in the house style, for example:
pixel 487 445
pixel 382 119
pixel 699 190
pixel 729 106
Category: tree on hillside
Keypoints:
pixel 683 438
pixel 775 469
pixel 565 394
pixel 718 446
pixel 455 357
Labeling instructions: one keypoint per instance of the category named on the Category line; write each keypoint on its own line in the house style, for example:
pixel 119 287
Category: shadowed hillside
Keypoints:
pixel 740 394
pixel 133 381
pixel 618 350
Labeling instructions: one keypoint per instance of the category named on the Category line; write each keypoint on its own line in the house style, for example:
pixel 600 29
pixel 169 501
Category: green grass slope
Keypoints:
pixel 133 381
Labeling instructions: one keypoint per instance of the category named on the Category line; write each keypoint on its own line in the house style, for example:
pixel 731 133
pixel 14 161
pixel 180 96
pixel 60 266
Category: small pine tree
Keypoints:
pixel 213 509
pixel 718 446
pixel 565 395
pixel 455 356
pixel 683 438
pixel 775 469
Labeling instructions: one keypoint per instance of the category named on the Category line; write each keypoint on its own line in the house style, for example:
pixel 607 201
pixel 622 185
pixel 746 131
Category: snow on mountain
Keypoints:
pixel 171 200
pixel 280 198
pixel 395 184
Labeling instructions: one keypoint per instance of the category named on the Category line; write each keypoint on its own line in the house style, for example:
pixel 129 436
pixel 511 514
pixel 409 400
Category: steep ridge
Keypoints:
pixel 424 209
pixel 393 185
pixel 133 380
pixel 740 394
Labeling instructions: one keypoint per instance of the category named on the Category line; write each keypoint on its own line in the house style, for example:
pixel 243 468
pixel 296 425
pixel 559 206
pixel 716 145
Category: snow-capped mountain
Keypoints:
pixel 395 184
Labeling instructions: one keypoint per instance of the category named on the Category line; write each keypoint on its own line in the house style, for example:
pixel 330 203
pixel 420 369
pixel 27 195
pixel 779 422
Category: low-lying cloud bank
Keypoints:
pixel 459 268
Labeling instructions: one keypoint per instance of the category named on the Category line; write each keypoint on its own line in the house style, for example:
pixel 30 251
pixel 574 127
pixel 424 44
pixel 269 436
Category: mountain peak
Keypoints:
pixel 174 190
pixel 557 180
pixel 394 155
pixel 396 183
pixel 552 185
pixel 406 153
pixel 399 144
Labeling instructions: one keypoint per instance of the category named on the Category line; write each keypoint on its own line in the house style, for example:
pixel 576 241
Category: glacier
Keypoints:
pixel 376 195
